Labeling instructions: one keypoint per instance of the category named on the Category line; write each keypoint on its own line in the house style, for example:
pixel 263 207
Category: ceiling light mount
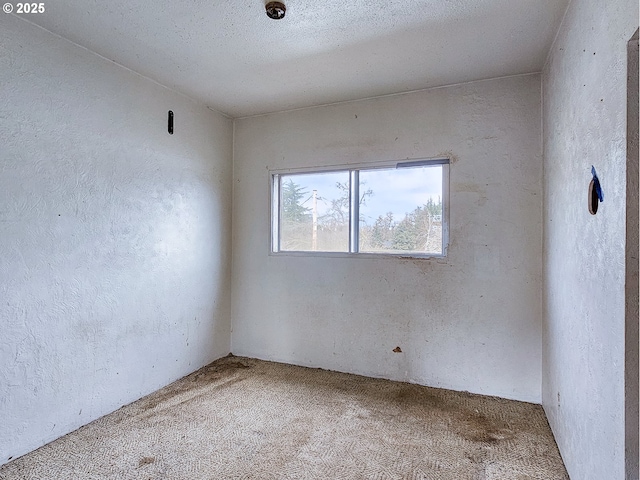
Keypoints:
pixel 275 10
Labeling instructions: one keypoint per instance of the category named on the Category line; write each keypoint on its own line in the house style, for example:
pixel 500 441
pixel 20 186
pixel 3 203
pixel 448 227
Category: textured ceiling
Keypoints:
pixel 233 58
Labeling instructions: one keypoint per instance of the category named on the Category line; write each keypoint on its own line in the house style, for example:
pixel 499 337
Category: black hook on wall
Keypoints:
pixel 170 123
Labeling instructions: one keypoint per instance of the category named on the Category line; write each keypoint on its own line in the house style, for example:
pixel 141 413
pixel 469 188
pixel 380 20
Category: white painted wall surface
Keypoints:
pixel 584 85
pixel 114 236
pixel 467 322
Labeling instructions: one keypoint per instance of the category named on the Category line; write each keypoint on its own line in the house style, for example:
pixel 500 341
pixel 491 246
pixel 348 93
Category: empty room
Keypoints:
pixel 361 240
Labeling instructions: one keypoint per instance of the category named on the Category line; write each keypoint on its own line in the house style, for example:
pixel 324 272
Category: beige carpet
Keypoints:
pixel 243 418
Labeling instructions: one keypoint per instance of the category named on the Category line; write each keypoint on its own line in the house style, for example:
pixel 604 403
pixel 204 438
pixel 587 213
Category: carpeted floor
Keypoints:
pixel 242 418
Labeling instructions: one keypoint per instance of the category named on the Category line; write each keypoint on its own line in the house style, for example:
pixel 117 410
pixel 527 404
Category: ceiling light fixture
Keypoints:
pixel 275 10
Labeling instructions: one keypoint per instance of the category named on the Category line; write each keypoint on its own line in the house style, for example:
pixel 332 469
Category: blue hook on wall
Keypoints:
pixel 595 192
pixel 597 184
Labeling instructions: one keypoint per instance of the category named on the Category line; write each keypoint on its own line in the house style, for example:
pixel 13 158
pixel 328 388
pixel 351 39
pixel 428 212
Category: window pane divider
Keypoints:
pixel 275 213
pixel 354 211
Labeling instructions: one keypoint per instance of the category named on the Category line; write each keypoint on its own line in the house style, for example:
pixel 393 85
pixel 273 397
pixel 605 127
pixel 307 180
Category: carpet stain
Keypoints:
pixel 146 461
pixel 466 422
pixel 478 428
pixel 192 384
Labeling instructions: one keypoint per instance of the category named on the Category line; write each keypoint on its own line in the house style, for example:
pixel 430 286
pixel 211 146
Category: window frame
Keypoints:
pixel 353 170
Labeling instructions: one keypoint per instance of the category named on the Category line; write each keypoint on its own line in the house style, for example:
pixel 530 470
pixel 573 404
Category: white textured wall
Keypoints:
pixel 584 115
pixel 114 236
pixel 467 322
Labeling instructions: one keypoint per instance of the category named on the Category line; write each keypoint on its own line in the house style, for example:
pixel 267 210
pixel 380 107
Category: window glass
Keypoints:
pixel 401 210
pixel 314 212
